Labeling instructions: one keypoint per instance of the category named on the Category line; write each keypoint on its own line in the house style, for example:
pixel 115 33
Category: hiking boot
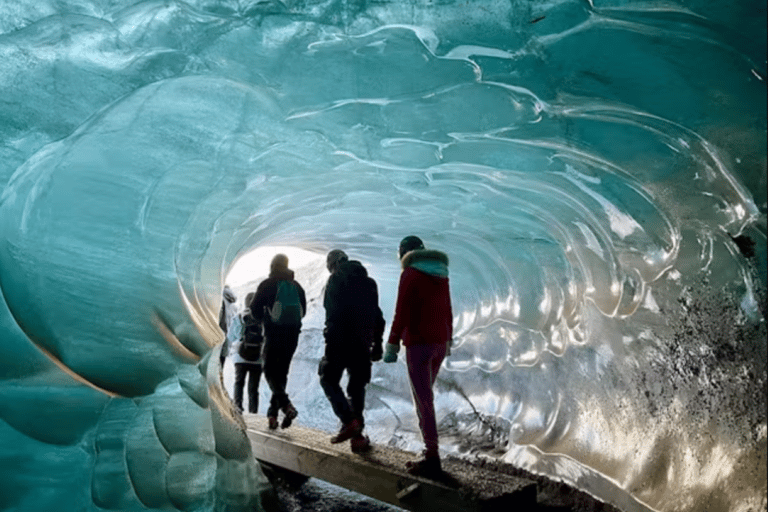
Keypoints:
pixel 290 415
pixel 272 422
pixel 360 443
pixel 428 466
pixel 348 431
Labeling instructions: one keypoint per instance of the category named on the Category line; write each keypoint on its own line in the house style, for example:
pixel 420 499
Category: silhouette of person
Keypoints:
pixel 281 337
pixel 424 322
pixel 354 329
pixel 247 366
pixel 227 313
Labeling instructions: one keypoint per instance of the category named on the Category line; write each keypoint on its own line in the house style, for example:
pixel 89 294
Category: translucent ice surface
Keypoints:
pixel 595 170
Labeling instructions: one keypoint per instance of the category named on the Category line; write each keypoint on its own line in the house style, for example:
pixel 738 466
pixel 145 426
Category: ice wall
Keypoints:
pixel 596 172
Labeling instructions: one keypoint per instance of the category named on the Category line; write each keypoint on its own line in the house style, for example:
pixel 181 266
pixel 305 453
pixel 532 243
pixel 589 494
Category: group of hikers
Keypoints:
pixel 265 338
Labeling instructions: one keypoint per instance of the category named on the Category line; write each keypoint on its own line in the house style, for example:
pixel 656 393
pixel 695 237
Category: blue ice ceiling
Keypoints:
pixel 596 171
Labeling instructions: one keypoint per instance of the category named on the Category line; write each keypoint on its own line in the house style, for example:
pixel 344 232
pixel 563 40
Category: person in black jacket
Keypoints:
pixel 247 365
pixel 354 329
pixel 280 339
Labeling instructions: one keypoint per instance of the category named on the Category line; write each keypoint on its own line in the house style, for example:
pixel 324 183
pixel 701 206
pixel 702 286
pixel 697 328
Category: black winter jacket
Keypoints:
pixel 266 293
pixel 352 312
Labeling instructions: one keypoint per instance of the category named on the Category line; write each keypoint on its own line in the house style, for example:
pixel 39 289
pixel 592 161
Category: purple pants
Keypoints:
pixel 423 364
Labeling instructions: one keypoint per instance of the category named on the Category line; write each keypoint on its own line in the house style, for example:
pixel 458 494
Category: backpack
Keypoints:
pixel 250 348
pixel 287 307
pixel 251 339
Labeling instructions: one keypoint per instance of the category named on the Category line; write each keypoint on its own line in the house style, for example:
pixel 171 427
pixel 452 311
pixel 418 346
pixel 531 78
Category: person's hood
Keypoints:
pixel 352 268
pixel 429 261
pixel 229 296
pixel 282 274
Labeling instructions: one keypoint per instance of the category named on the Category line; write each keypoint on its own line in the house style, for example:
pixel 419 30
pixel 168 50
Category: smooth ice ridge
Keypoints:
pixel 596 172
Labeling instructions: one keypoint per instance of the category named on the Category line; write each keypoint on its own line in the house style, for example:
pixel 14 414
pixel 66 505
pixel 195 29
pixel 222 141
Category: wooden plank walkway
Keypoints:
pixel 380 472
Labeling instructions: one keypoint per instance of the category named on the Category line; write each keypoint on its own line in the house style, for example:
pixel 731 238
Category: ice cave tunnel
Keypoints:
pixel 595 170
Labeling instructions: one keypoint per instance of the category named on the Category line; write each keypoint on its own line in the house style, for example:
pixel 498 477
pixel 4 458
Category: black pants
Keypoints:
pixel 253 372
pixel 279 346
pixel 358 368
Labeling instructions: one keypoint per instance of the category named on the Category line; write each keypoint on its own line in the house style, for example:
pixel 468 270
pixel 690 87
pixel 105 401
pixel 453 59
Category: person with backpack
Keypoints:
pixel 424 322
pixel 279 305
pixel 354 330
pixel 246 356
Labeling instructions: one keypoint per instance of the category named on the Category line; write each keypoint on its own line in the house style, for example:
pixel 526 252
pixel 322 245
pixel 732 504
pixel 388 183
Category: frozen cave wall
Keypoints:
pixel 595 170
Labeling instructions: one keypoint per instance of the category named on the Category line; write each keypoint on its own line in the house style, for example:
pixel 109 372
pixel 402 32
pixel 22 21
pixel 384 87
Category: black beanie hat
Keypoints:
pixel 410 243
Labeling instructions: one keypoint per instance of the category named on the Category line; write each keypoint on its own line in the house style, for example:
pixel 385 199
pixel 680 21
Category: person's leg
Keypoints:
pixel 359 372
pixel 273 364
pixel 439 352
pixel 270 356
pixel 290 338
pixel 291 343
pixel 273 408
pixel 277 363
pixel 254 376
pixel 240 372
pixel 330 372
pixel 423 365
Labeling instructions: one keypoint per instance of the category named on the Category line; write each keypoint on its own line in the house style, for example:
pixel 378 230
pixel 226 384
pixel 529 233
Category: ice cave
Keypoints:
pixel 595 170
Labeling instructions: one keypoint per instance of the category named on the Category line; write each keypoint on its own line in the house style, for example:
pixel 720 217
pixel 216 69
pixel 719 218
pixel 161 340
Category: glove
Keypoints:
pixel 390 353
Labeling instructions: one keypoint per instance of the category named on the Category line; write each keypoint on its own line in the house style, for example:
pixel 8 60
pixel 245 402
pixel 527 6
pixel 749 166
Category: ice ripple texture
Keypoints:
pixel 595 171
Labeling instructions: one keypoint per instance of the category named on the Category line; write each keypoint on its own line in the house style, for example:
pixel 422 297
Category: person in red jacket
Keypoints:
pixel 424 322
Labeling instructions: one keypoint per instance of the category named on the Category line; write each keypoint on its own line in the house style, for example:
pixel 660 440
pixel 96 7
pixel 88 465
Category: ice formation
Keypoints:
pixel 596 171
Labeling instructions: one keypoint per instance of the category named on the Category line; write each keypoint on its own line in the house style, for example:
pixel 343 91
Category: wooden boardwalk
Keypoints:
pixel 380 474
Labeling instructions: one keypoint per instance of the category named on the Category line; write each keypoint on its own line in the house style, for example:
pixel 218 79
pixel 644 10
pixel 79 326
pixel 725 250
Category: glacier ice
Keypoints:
pixel 596 171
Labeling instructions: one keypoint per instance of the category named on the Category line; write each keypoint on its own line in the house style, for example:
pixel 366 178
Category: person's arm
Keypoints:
pixel 402 317
pixel 224 349
pixel 331 299
pixel 326 295
pixel 402 308
pixel 264 297
pixel 377 348
pixel 302 299
pixel 223 317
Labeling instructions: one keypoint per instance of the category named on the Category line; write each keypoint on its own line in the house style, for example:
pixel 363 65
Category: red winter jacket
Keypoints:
pixel 423 312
